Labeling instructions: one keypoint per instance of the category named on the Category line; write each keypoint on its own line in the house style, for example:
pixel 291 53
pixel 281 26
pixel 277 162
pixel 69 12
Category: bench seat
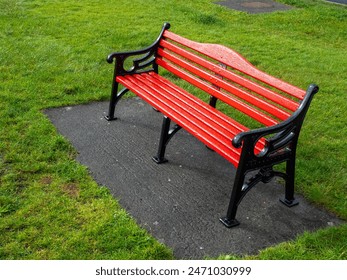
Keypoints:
pixel 206 123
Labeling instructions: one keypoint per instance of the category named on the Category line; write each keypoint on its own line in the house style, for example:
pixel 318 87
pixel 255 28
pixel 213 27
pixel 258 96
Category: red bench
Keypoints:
pixel 276 108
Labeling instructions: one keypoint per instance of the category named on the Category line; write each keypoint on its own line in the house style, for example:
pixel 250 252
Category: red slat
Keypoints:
pixel 199 115
pixel 273 96
pixel 260 103
pixel 214 116
pixel 220 127
pixel 207 136
pixel 237 61
pixel 248 110
pixel 199 109
pixel 195 116
pixel 217 115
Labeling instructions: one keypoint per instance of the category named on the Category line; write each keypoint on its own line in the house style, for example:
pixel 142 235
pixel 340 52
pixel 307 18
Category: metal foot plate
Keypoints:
pixel 109 118
pixel 229 223
pixel 159 160
pixel 289 203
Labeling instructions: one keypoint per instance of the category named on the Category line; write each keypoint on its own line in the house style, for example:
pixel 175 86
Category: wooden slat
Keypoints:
pixel 217 120
pixel 236 61
pixel 204 134
pixel 179 104
pixel 260 103
pixel 212 114
pixel 248 110
pixel 199 115
pixel 262 91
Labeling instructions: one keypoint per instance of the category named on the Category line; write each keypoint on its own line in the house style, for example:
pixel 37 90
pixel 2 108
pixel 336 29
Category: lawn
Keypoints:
pixel 52 53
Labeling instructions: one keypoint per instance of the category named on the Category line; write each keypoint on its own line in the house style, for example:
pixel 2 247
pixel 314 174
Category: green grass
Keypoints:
pixel 52 53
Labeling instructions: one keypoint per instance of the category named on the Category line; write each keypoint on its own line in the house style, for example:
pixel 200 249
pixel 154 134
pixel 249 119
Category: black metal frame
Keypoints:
pixel 165 136
pixel 279 148
pixel 144 64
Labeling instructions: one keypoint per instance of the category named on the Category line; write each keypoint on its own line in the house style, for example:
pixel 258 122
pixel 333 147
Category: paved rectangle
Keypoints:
pixel 179 202
pixel 254 6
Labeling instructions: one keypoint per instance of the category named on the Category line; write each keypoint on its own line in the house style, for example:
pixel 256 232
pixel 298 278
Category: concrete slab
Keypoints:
pixel 254 6
pixel 342 2
pixel 181 201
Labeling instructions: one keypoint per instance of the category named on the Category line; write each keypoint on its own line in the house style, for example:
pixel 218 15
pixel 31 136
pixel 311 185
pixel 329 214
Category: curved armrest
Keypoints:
pixel 283 129
pixel 148 52
pixel 125 54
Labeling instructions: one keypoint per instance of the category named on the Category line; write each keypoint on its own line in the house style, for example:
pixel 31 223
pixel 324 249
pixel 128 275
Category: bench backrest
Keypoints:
pixel 226 75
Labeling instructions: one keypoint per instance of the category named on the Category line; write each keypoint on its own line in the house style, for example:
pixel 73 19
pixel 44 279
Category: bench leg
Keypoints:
pixel 289 199
pixel 115 97
pixel 159 158
pixel 165 137
pixel 213 101
pixel 236 195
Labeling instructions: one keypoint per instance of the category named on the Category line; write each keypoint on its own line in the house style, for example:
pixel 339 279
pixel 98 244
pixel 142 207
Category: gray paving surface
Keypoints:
pixel 254 6
pixel 181 201
pixel 262 6
pixel 343 2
